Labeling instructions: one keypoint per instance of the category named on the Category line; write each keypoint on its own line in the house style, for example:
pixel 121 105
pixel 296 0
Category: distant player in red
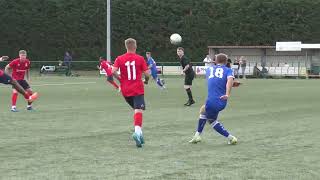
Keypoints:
pixel 132 66
pixel 20 67
pixel 6 79
pixel 107 67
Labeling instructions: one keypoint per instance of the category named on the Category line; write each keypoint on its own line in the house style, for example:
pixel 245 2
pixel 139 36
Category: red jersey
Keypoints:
pixel 106 66
pixel 19 68
pixel 131 67
pixel 1 72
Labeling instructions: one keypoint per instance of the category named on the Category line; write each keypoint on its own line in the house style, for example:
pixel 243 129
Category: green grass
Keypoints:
pixel 83 131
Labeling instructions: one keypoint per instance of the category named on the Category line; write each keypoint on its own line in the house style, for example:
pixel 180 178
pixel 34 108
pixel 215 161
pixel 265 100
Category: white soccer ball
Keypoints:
pixel 175 39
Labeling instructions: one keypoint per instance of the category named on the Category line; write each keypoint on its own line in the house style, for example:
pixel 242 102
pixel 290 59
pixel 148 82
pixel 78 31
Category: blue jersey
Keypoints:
pixel 153 63
pixel 217 77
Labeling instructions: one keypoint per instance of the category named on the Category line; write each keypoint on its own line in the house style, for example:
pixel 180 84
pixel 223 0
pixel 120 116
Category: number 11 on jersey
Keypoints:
pixel 134 72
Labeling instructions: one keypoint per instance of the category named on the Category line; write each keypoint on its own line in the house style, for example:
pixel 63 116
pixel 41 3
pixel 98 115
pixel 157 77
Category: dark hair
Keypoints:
pixel 180 48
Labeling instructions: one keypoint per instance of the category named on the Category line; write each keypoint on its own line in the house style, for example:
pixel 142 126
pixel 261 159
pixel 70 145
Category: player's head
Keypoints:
pixel 101 58
pixel 180 51
pixel 148 54
pixel 221 58
pixel 131 44
pixel 22 54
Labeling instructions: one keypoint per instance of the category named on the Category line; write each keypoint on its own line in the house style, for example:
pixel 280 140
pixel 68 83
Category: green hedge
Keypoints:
pixel 46 28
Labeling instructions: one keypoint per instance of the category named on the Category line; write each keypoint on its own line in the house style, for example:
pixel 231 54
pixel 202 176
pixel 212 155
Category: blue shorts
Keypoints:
pixel 5 79
pixel 213 107
pixel 154 74
pixel 136 102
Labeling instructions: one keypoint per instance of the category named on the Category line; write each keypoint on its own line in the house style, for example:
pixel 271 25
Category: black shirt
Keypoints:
pixel 184 61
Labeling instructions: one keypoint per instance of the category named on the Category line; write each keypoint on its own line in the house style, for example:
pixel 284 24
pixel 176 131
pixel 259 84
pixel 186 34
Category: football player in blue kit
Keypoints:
pixel 154 72
pixel 220 81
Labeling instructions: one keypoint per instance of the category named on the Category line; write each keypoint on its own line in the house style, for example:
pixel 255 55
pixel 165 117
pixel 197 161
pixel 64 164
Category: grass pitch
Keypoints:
pixel 81 129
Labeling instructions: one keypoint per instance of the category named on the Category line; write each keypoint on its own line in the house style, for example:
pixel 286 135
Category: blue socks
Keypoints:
pixel 201 124
pixel 220 129
pixel 159 82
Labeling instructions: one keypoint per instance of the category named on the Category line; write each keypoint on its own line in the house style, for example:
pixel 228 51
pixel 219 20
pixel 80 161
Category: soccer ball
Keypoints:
pixel 175 39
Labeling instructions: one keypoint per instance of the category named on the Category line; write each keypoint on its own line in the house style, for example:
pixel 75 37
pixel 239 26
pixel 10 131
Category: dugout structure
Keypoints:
pixel 265 61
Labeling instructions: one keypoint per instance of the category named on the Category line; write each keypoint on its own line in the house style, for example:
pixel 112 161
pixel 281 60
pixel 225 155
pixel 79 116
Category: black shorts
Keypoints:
pixel 136 102
pixel 5 79
pixel 110 78
pixel 188 79
pixel 24 84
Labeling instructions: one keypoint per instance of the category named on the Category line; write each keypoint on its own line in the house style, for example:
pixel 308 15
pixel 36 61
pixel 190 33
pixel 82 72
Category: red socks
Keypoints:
pixel 29 92
pixel 26 96
pixel 138 119
pixel 14 98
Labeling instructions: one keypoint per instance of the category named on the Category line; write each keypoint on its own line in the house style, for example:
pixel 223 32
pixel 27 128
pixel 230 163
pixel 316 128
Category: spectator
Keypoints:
pixel 207 61
pixel 67 62
pixel 243 64
pixel 229 62
pixel 236 69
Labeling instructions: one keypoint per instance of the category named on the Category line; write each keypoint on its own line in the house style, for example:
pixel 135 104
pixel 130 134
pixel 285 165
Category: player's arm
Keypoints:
pixel 146 71
pixel 7 68
pixel 115 69
pixel 115 72
pixel 187 66
pixel 149 63
pixel 4 58
pixel 146 76
pixel 28 75
pixel 228 88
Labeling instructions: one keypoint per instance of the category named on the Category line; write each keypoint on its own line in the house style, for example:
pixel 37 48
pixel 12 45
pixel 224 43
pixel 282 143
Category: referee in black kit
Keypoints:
pixel 189 74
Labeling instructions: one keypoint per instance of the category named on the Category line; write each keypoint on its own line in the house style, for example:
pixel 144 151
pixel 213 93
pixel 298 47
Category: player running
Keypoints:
pixel 220 82
pixel 107 67
pixel 132 66
pixel 20 67
pixel 189 74
pixel 154 72
pixel 6 79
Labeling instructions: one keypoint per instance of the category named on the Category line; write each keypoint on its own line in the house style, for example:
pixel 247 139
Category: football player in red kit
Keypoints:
pixel 6 79
pixel 107 67
pixel 20 67
pixel 132 66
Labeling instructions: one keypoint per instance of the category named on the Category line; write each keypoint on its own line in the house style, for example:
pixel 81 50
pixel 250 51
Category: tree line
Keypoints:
pixel 48 28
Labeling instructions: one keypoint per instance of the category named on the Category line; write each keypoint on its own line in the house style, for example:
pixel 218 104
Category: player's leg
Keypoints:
pixel 139 107
pixel 154 75
pixel 243 72
pixel 212 112
pixel 137 119
pixel 6 79
pixel 14 99
pixel 187 86
pixel 201 123
pixel 25 85
pixel 112 82
pixel 19 88
pixel 29 106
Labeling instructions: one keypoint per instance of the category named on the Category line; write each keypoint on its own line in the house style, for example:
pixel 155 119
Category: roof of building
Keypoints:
pixel 241 47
